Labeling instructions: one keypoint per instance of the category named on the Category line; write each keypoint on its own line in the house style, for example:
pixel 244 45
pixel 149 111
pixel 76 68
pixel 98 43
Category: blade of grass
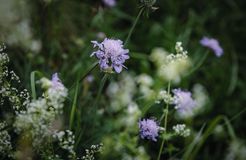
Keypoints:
pixel 72 113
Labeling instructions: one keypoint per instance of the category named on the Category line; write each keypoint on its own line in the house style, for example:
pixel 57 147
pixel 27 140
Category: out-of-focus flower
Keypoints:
pixel 148 128
pixel 183 103
pixel 110 3
pixel 171 67
pixel 111 54
pixel 212 44
pixel 181 130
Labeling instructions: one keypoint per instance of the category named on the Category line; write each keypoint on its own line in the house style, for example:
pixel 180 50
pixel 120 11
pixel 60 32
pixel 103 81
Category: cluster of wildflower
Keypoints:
pixel 145 83
pixel 163 95
pixel 66 141
pixel 148 128
pixel 5 140
pixel 7 90
pixel 111 55
pixel 37 119
pixel 121 93
pixel 181 130
pixel 90 153
pixel 184 103
pixel 171 67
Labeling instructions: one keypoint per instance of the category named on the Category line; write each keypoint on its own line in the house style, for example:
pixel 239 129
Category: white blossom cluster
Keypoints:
pixel 66 141
pixel 90 153
pixel 171 67
pixel 167 98
pixel 236 151
pixel 181 130
pixel 36 120
pixel 121 92
pixel 145 83
pixel 5 143
pixel 7 79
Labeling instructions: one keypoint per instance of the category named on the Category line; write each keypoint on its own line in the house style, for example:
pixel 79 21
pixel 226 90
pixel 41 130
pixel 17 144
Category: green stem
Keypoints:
pixel 104 79
pixel 133 26
pixel 32 77
pixel 165 122
pixel 72 113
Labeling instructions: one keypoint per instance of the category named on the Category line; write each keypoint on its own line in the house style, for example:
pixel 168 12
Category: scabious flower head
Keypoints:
pixel 148 129
pixel 183 102
pixel 109 3
pixel 56 82
pixel 111 54
pixel 212 44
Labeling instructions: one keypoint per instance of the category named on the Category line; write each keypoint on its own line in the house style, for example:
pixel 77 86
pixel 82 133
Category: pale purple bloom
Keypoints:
pixel 56 82
pixel 212 44
pixel 109 3
pixel 148 128
pixel 111 54
pixel 183 102
pixel 90 78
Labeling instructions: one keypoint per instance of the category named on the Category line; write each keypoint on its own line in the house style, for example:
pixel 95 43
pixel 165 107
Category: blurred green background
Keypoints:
pixel 54 36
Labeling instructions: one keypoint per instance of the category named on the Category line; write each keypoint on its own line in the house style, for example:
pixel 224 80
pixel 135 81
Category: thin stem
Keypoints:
pixel 72 113
pixel 165 122
pixel 133 26
pixel 104 79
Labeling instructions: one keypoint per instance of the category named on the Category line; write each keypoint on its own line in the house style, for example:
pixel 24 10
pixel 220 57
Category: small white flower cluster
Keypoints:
pixel 7 89
pixel 181 130
pixel 171 67
pixel 145 83
pixel 121 92
pixel 66 141
pixel 163 95
pixel 5 144
pixel 90 153
pixel 39 115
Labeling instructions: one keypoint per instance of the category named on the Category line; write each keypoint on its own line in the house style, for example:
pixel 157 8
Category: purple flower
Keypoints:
pixel 212 44
pixel 56 82
pixel 111 54
pixel 183 102
pixel 148 129
pixel 109 3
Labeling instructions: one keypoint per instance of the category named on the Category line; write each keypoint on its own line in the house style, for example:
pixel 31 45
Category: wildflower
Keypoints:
pixel 109 3
pixel 111 54
pixel 212 44
pixel 183 102
pixel 56 82
pixel 180 129
pixel 148 129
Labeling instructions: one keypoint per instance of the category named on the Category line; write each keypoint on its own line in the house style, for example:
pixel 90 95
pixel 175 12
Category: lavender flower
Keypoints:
pixel 109 3
pixel 183 102
pixel 148 129
pixel 56 82
pixel 212 44
pixel 111 54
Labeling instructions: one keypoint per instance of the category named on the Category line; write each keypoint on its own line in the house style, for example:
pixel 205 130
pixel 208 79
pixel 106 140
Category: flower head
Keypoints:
pixel 111 54
pixel 212 44
pixel 183 102
pixel 109 3
pixel 148 129
pixel 56 82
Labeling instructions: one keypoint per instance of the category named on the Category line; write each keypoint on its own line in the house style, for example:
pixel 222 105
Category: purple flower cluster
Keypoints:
pixel 183 102
pixel 111 54
pixel 109 3
pixel 212 44
pixel 148 129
